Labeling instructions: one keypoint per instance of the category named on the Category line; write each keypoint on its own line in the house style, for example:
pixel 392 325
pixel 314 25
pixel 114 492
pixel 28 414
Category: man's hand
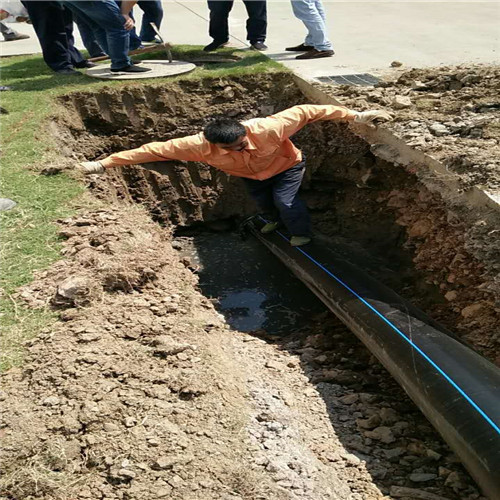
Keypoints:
pixel 129 22
pixel 371 117
pixel 91 167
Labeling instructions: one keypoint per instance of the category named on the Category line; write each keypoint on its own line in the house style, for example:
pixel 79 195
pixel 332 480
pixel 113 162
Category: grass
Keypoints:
pixel 29 232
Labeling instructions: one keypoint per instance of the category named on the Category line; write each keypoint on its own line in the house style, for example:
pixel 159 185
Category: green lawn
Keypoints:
pixel 29 235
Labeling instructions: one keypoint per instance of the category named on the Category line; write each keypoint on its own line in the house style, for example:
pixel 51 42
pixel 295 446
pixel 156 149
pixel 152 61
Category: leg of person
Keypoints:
pixel 88 37
pixel 218 27
pixel 311 13
pixel 292 209
pixel 50 28
pixel 112 36
pixel 81 11
pixel 256 23
pixel 77 60
pixel 134 40
pixel 262 193
pixel 9 35
pixel 153 13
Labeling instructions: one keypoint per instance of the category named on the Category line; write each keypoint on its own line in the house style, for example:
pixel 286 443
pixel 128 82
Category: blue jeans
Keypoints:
pixel 88 38
pixel 280 194
pixel 312 14
pixel 134 40
pixel 107 23
pixel 153 13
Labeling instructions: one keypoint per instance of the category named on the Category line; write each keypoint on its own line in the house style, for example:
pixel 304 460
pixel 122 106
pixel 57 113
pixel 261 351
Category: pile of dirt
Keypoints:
pixel 140 390
pixel 451 113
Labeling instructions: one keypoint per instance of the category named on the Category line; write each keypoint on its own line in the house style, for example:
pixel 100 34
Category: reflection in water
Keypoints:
pixel 249 285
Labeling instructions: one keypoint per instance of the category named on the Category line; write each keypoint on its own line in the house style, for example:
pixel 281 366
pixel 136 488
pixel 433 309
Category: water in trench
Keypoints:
pixel 249 286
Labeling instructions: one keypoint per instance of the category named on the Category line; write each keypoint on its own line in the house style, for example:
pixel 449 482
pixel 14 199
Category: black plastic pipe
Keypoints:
pixel 455 387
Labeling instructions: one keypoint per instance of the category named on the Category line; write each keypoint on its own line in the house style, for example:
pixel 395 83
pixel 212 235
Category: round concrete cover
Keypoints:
pixel 158 69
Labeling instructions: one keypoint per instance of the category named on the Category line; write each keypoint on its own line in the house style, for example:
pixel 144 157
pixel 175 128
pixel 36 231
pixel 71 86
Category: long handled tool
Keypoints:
pixel 165 44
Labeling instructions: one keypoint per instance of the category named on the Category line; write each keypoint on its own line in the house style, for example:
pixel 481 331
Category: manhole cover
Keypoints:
pixel 158 69
pixel 363 79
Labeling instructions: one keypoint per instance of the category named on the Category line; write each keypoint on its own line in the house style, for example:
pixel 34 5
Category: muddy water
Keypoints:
pixel 252 289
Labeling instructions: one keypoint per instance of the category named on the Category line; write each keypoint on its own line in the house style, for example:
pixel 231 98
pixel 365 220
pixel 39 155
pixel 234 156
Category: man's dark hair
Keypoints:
pixel 223 131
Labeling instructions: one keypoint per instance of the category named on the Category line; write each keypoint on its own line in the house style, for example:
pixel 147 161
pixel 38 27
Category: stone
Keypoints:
pixel 414 493
pixel 396 64
pixel 274 365
pixel 401 102
pixel 368 423
pixel 422 477
pixel 438 129
pixel 111 427
pixel 127 473
pixel 471 310
pixel 451 295
pixel 51 401
pixel 74 287
pixel 349 399
pixel 6 204
pixel 383 434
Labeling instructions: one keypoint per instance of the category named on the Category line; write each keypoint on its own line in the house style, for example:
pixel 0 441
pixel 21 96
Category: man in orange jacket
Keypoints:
pixel 259 150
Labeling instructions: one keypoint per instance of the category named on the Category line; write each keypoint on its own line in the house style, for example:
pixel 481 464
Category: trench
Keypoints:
pixel 354 199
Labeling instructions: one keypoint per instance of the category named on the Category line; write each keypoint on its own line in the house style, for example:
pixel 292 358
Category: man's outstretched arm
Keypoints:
pixel 186 149
pixel 291 120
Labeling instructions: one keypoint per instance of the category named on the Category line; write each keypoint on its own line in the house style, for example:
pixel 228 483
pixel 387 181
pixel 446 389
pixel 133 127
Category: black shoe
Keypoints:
pixel 258 46
pixel 87 64
pixel 300 48
pixel 12 37
pixel 67 71
pixel 133 62
pixel 214 46
pixel 315 54
pixel 131 68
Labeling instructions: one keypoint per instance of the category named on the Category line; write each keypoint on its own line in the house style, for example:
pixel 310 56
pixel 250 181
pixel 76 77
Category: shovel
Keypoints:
pixel 166 45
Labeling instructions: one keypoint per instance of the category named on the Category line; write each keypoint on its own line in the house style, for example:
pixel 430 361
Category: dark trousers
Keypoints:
pixel 53 26
pixel 88 37
pixel 153 13
pixel 107 23
pixel 280 194
pixel 256 22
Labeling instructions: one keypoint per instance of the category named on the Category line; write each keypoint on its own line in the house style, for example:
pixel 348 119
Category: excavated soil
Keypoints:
pixel 142 389
pixel 451 113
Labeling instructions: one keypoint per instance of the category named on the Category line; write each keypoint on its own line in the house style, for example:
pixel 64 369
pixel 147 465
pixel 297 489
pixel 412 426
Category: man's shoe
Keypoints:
pixel 87 64
pixel 132 68
pixel 214 46
pixel 12 37
pixel 67 71
pixel 269 227
pixel 261 46
pixel 316 54
pixel 300 48
pixel 298 241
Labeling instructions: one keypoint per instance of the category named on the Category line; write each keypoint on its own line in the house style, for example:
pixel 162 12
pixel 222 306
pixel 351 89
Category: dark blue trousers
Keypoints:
pixel 54 29
pixel 88 37
pixel 153 13
pixel 278 197
pixel 256 23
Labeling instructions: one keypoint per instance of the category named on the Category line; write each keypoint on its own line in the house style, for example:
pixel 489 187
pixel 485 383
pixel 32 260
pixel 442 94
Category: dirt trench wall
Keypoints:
pixel 443 260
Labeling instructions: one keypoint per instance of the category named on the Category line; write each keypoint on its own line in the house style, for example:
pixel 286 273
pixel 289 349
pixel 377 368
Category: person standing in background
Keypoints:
pixel 53 26
pixel 219 27
pixel 317 43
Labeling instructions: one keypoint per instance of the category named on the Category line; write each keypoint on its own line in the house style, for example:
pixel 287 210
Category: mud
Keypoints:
pixel 144 390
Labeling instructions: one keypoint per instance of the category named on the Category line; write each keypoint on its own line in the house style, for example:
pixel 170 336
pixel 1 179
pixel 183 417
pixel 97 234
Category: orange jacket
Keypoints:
pixel 269 150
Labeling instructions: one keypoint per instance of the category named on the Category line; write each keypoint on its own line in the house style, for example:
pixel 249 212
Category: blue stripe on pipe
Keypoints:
pixel 401 334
